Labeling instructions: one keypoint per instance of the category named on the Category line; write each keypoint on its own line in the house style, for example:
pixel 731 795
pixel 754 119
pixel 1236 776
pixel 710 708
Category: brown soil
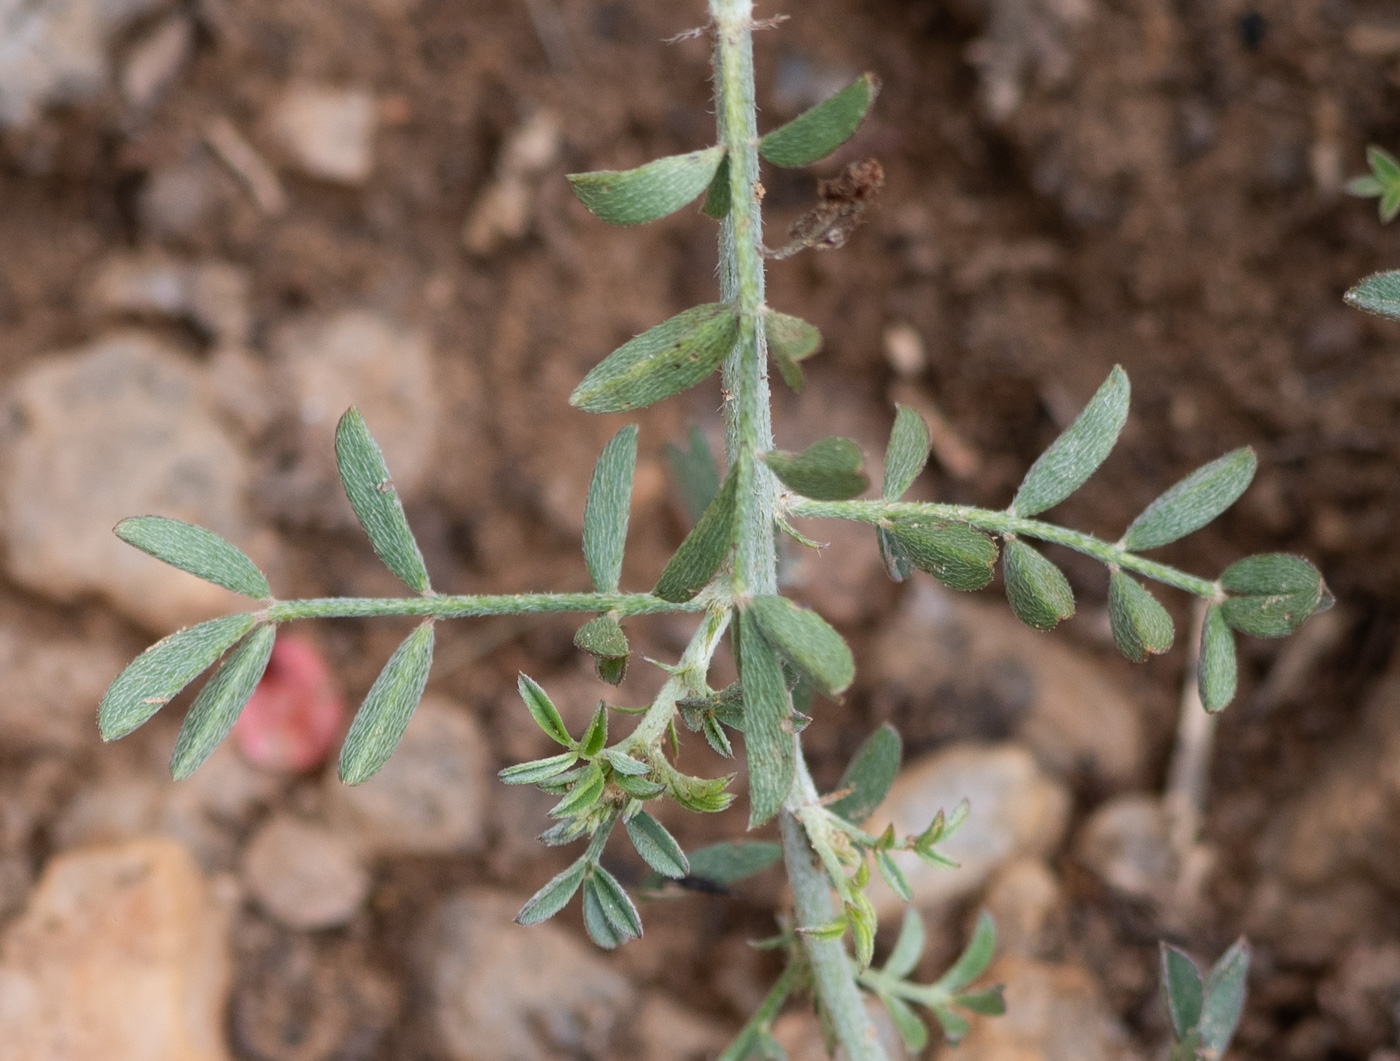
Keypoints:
pixel 1165 203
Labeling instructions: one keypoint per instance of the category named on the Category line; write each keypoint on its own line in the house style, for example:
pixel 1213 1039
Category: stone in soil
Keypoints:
pixel 429 798
pixel 326 132
pixel 122 952
pixel 120 427
pixel 500 992
pixel 1025 899
pixel 155 60
pixel 212 295
pixel 304 875
pixel 1016 809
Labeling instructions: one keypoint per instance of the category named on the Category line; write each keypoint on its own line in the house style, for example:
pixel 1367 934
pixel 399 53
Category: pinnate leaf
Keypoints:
pixel 1039 593
pixel 661 187
pixel 1378 294
pixel 155 677
pixel 1271 594
pixel 1182 989
pixel 200 552
pixel 869 775
pixel 907 452
pixel 554 896
pixel 379 723
pixel 1080 449
pixel 704 548
pixel 371 491
pixel 657 846
pixel 959 556
pixel 818 654
pixel 830 469
pixel 609 504
pixel 662 361
pixel 768 736
pixel 790 340
pixel 817 132
pixel 1217 669
pixel 1193 502
pixel 220 702
pixel 1141 626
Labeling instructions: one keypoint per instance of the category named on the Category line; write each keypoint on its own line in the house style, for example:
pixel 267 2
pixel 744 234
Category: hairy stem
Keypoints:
pixel 749 432
pixel 996 522
pixel 690 671
pixel 462 607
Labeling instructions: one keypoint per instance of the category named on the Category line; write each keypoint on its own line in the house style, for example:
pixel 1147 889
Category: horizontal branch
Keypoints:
pixel 462 607
pixel 996 522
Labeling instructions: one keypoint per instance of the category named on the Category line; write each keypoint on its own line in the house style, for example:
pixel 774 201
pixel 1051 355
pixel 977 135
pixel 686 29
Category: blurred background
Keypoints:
pixel 224 221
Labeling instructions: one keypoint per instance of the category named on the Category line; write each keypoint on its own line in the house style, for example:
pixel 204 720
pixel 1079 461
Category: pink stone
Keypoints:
pixel 296 711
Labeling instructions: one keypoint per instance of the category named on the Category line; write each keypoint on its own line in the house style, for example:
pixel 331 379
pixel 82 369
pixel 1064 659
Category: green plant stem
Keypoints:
pixel 688 674
pixel 785 985
pixel 462 607
pixel 881 512
pixel 748 433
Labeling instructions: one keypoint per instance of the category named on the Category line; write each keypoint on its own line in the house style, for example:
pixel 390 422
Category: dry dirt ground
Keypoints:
pixel 1070 184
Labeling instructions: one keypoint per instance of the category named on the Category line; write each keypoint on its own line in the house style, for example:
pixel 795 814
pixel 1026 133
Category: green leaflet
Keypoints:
pixel 1224 998
pixel 616 904
pixel 220 702
pixel 894 876
pixel 869 775
pixel 695 473
pixel 657 846
pixel 1182 989
pixel 595 919
pixel 537 770
pixel 1271 594
pixel 379 723
pixel 1080 449
pixel 604 639
pixel 730 862
pixel 661 187
pixel 1038 590
pixel 816 133
pixel 609 504
pixel 1141 626
pixel 908 947
pixel 790 340
pixel 975 958
pixel 830 469
pixel 554 896
pixel 1378 294
pixel 860 914
pixel 909 1024
pixel 815 650
pixel 371 491
pixel 595 736
pixel 1193 502
pixel 156 676
pixel 892 555
pixel 543 711
pixel 907 452
pixel 768 736
pixel 662 361
pixel 704 548
pixel 959 556
pixel 200 552
pixel 716 203
pixel 1217 669
pixel 584 793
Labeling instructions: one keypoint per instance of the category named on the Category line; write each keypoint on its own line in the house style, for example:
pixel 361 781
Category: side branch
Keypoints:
pixel 462 607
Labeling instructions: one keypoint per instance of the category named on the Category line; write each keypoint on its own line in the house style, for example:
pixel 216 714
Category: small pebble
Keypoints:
pixel 304 875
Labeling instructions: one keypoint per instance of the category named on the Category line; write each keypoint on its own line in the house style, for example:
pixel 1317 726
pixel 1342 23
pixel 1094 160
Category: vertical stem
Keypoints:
pixel 749 432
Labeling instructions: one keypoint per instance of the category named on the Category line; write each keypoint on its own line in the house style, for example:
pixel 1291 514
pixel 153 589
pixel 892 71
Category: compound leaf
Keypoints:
pixel 200 552
pixel 1182 988
pixel 1217 668
pixel 1141 626
pixel 221 701
pixel 661 187
pixel 1080 449
pixel 1378 294
pixel 959 556
pixel 790 340
pixel 371 491
pixel 830 469
pixel 662 361
pixel 657 846
pixel 379 723
pixel 869 775
pixel 156 676
pixel 1193 502
pixel 817 132
pixel 554 896
pixel 1039 593
pixel 609 503
pixel 907 452
pixel 768 736
pixel 704 548
pixel 818 654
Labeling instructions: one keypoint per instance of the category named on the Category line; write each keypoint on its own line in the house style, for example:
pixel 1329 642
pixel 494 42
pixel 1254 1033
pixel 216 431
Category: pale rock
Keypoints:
pixel 1016 809
pixel 327 132
pixel 178 198
pixel 1054 1012
pixel 664 1030
pixel 501 992
pixel 1127 842
pixel 946 652
pixel 357 357
pixel 52 681
pixel 155 60
pixel 503 213
pixel 118 428
pixel 304 875
pixel 1025 900
pixel 121 953
pixel 430 797
pixel 55 52
pixel 212 295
